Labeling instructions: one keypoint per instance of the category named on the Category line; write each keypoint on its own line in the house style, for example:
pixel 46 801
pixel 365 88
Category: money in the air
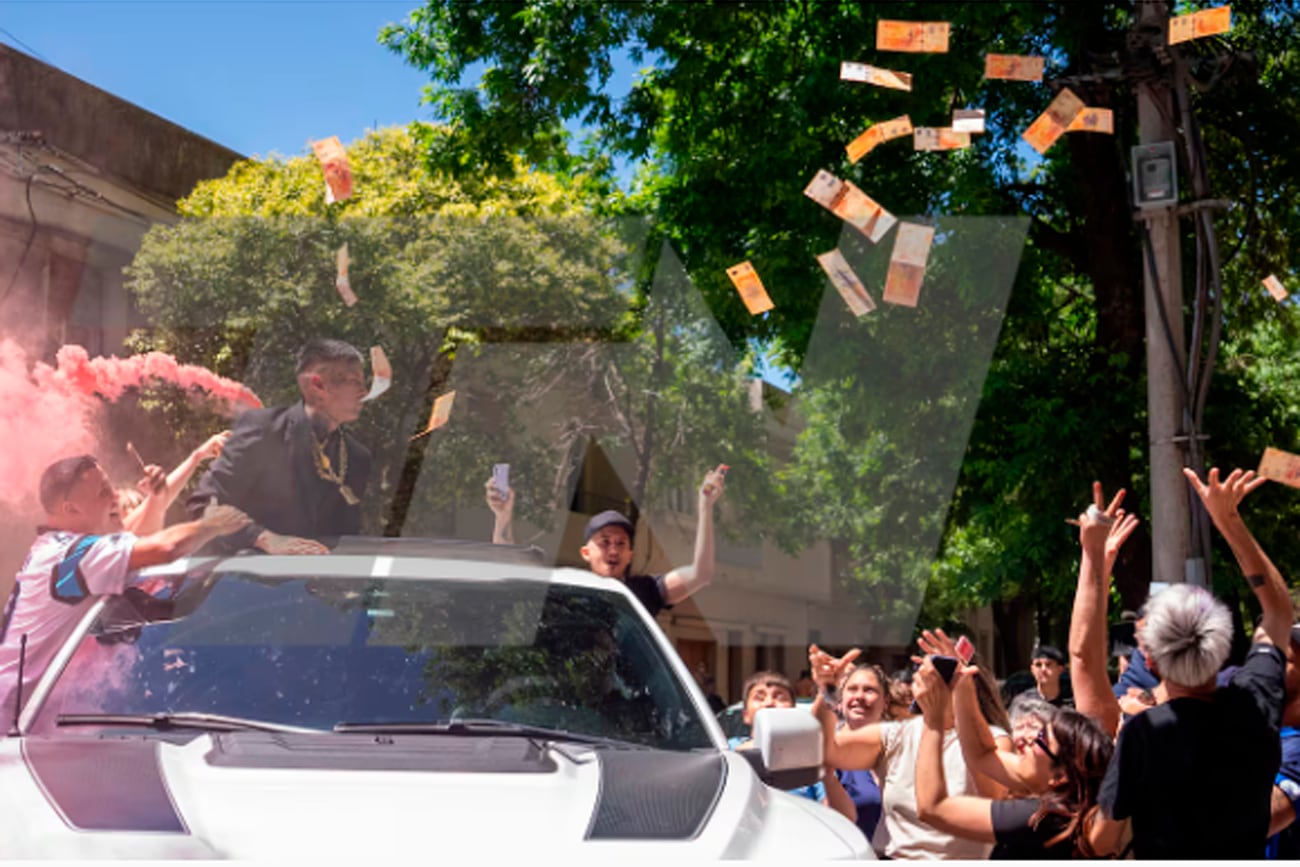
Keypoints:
pixel 334 163
pixel 846 282
pixel 907 264
pixel 867 74
pixel 916 36
pixel 1013 67
pixel 1052 123
pixel 750 288
pixel 341 282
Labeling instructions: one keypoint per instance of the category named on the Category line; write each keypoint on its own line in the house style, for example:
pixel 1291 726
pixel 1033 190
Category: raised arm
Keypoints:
pixel 978 747
pixel 503 514
pixel 843 748
pixel 1102 531
pixel 1221 500
pixel 682 582
pixel 961 815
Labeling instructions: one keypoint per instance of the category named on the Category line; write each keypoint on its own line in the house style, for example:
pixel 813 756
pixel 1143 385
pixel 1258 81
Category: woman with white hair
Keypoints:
pixel 1193 777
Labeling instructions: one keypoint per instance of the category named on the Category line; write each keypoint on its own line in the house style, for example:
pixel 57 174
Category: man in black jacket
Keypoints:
pixel 294 470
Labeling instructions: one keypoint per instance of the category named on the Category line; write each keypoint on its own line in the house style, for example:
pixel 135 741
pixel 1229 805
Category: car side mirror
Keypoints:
pixel 788 742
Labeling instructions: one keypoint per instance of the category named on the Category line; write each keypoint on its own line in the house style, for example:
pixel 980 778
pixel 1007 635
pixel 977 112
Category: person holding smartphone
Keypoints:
pixel 1061 768
pixel 890 748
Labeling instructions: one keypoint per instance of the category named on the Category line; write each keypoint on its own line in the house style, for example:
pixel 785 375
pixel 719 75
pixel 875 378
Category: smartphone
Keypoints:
pixel 501 478
pixel 965 650
pixel 947 667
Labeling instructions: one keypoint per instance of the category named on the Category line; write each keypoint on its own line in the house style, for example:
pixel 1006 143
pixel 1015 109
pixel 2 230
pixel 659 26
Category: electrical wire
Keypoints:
pixel 31 236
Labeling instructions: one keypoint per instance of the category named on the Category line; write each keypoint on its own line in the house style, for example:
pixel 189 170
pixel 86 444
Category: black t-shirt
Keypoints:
pixel 1018 840
pixel 1196 776
pixel 649 589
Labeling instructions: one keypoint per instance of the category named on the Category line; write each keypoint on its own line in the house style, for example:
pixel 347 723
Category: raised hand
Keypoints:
pixel 211 448
pixel 827 671
pixel 501 506
pixel 935 643
pixel 1221 498
pixel 154 480
pixel 929 691
pixel 715 482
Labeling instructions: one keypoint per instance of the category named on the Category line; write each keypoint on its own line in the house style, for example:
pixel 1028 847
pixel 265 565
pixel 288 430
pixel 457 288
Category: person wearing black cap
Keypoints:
pixel 1048 666
pixel 607 548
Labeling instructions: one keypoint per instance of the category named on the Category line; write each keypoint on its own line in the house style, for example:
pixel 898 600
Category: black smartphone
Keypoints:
pixel 947 667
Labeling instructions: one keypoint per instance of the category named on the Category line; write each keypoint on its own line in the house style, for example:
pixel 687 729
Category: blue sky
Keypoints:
pixel 255 75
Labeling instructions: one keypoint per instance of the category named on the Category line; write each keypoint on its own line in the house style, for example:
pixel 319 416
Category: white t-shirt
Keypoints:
pixel 901 834
pixel 46 620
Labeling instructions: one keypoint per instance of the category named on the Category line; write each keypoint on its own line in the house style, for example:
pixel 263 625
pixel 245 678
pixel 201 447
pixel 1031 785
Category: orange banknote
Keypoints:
pixel 928 138
pixel 875 75
pixel 1093 120
pixel 846 282
pixel 919 36
pixel 1280 466
pixel 745 279
pixel 1051 124
pixel 440 414
pixel 1013 67
pixel 850 204
pixel 907 263
pixel 334 163
pixel 876 134
pixel 1207 22
pixel 1275 287
pixel 381 373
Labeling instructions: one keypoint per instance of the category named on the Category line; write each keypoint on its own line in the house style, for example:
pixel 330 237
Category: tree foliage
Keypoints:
pixel 741 103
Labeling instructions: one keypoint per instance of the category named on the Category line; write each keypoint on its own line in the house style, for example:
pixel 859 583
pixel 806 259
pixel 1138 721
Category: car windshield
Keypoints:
pixel 313 652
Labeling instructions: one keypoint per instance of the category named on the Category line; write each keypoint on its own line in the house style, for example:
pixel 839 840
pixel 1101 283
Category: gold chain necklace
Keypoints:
pixel 326 471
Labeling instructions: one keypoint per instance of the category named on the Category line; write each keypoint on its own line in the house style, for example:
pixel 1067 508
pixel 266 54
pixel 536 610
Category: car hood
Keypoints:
pixel 264 795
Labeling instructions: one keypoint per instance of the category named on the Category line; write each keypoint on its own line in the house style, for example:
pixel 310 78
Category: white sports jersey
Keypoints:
pixel 47 620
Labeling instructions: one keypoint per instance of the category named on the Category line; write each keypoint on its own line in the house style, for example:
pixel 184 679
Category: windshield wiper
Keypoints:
pixel 212 722
pixel 483 727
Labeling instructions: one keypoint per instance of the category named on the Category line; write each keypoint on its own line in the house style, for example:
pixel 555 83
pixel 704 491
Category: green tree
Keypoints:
pixel 741 104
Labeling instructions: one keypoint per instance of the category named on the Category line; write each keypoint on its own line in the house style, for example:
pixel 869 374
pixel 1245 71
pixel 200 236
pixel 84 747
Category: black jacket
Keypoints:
pixel 266 469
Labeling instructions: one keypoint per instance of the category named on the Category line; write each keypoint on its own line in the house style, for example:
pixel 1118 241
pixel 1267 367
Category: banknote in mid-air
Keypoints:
pixel 1013 67
pixel 850 204
pixel 919 36
pixel 867 74
pixel 1052 123
pixel 750 287
pixel 969 120
pixel 877 134
pixel 1279 466
pixel 334 163
pixel 381 373
pixel 907 263
pixel 1275 287
pixel 928 138
pixel 846 282
pixel 1093 120
pixel 1195 25
pixel 341 282
pixel 440 414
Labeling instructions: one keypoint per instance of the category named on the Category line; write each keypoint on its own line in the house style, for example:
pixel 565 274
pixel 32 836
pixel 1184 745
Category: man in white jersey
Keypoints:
pixel 80 553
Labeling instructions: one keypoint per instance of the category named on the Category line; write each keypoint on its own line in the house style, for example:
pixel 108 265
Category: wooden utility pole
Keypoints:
pixel 1170 518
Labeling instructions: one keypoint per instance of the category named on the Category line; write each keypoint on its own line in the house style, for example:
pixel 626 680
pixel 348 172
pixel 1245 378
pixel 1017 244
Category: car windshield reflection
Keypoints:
pixel 313 651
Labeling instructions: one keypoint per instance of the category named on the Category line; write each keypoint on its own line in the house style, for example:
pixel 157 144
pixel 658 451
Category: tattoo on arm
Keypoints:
pixel 1255 580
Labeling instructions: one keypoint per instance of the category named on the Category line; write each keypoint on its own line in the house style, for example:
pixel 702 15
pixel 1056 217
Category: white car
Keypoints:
pixel 387 701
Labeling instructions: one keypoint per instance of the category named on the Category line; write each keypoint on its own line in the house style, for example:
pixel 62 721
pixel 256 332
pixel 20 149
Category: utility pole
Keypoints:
pixel 1170 517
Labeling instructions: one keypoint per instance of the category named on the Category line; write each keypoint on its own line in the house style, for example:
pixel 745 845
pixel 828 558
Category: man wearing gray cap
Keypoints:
pixel 607 549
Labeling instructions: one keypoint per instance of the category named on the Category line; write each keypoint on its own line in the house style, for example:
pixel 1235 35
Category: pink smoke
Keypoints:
pixel 38 425
pixel 110 377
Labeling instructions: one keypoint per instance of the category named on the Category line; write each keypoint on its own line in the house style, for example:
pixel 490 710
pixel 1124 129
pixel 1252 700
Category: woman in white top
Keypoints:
pixel 891 749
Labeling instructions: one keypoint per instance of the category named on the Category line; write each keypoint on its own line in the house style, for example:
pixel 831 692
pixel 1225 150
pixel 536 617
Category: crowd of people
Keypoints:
pixel 1181 757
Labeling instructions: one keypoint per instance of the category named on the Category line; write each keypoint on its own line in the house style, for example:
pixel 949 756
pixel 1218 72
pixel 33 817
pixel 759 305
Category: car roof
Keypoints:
pixel 364 558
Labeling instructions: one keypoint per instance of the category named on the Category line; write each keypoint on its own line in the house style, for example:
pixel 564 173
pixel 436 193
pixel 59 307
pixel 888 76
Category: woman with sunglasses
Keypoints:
pixel 1061 769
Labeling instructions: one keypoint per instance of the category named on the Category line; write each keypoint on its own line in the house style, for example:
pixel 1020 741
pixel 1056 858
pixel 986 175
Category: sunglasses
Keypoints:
pixel 1041 742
